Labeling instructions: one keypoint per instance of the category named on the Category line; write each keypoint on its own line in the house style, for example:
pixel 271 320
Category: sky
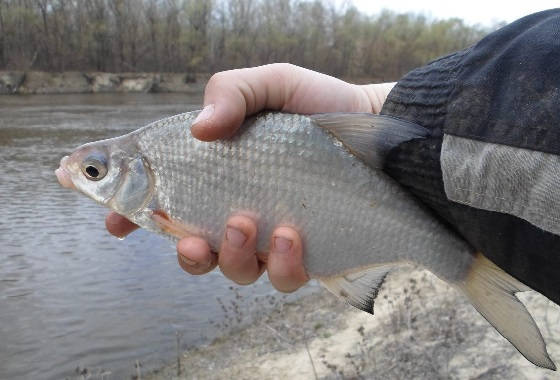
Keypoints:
pixel 485 12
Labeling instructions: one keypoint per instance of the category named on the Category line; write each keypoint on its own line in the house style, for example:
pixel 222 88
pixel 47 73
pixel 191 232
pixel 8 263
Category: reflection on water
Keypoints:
pixel 71 295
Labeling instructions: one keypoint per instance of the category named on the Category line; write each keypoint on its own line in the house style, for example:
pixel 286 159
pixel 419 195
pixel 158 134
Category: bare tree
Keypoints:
pixel 210 35
pixel 197 16
pixel 152 17
pixel 2 35
pixel 99 37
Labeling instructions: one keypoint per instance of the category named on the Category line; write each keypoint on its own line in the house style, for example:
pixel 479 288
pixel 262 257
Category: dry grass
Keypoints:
pixel 422 330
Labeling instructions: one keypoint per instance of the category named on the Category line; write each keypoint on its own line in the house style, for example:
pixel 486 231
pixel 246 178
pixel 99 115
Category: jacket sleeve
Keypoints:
pixel 491 166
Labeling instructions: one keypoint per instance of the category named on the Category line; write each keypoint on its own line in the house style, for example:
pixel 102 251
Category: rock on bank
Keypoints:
pixel 76 82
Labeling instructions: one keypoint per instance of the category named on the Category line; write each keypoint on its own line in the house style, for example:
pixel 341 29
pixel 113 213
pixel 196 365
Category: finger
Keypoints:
pixel 237 259
pixel 118 225
pixel 194 255
pixel 285 261
pixel 232 95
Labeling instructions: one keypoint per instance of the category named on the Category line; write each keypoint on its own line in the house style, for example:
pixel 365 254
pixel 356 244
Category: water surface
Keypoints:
pixel 70 294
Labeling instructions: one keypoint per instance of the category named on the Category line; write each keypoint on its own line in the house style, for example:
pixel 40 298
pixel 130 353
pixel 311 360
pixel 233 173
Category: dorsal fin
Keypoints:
pixel 369 136
pixel 359 289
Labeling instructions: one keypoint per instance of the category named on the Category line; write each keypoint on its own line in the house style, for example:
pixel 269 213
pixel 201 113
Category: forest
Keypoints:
pixel 204 36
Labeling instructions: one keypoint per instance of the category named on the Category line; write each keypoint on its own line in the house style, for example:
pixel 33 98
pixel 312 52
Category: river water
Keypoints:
pixel 70 294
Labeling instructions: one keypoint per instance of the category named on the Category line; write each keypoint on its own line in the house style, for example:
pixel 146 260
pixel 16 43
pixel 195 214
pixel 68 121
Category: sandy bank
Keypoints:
pixel 422 329
pixel 76 82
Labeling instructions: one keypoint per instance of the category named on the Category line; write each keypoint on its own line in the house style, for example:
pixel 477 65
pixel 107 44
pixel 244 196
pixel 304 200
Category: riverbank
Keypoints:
pixel 82 82
pixel 422 329
pixel 78 82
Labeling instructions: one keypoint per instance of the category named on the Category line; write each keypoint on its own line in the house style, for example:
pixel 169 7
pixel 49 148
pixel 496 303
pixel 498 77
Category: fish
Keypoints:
pixel 321 174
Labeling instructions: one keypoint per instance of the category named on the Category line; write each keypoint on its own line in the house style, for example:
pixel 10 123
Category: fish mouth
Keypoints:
pixel 63 175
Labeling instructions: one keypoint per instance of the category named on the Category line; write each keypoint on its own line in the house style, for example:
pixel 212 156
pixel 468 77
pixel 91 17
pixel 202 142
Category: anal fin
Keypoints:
pixel 358 289
pixel 492 293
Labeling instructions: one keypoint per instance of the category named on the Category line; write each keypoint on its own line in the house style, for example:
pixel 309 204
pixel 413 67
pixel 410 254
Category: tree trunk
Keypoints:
pixel 2 37
pixel 45 38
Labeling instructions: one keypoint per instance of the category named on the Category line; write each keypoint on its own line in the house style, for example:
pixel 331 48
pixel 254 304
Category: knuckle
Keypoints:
pixel 283 66
pixel 287 278
pixel 218 78
pixel 242 272
pixel 239 277
pixel 233 261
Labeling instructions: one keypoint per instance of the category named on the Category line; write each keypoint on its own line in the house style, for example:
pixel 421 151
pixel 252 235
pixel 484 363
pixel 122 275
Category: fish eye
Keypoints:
pixel 94 167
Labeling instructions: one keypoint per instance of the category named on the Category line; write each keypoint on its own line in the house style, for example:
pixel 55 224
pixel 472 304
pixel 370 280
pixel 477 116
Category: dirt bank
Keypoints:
pixel 421 330
pixel 75 82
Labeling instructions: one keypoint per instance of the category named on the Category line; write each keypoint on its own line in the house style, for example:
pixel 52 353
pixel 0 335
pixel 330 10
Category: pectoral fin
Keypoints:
pixel 359 289
pixel 492 293
pixel 173 227
pixel 370 137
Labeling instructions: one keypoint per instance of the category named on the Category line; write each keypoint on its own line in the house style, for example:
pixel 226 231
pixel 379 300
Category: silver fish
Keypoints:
pixel 321 174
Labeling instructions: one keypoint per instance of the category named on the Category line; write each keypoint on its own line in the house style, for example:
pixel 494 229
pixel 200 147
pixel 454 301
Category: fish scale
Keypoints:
pixel 316 185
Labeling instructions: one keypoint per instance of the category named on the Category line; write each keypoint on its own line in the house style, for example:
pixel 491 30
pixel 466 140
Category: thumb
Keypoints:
pixel 231 96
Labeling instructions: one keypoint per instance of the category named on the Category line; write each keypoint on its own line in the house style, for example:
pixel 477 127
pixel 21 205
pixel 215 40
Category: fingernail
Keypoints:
pixel 235 237
pixel 282 245
pixel 187 261
pixel 205 114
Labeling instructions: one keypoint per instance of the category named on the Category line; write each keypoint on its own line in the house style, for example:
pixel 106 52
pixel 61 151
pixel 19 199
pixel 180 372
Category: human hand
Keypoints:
pixel 230 97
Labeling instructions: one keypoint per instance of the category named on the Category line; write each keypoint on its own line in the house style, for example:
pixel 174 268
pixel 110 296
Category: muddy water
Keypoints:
pixel 71 295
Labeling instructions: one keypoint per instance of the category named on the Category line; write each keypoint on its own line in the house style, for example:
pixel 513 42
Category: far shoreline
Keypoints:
pixel 91 82
pixel 13 82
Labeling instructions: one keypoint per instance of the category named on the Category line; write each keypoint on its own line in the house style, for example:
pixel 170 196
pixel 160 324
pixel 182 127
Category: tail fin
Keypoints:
pixel 492 293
